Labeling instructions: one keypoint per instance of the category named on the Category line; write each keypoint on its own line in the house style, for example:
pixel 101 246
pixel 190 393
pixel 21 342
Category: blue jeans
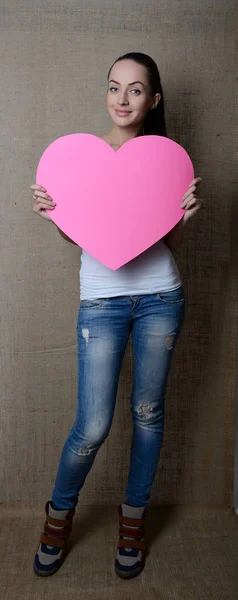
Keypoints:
pixel 104 326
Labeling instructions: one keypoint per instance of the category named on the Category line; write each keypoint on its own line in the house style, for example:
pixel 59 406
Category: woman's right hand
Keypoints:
pixel 42 201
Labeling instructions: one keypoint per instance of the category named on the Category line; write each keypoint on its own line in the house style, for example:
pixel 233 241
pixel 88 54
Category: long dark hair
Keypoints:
pixel 154 123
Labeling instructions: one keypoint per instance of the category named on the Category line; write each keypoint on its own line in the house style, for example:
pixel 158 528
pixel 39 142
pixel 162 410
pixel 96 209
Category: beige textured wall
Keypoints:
pixel 55 57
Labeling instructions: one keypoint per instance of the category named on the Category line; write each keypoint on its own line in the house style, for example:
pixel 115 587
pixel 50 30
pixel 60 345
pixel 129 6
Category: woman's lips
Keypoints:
pixel 123 113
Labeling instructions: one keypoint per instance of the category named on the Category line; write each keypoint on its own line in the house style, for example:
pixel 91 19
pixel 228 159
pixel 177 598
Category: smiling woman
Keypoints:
pixel 144 299
pixel 141 94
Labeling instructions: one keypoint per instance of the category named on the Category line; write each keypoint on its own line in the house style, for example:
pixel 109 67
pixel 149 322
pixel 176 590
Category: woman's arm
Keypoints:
pixel 191 203
pixel 174 238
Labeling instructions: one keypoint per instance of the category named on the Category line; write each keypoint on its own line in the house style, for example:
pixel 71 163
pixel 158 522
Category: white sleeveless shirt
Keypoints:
pixel 154 271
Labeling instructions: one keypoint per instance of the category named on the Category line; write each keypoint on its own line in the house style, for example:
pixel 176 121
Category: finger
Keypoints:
pixel 191 203
pixel 43 195
pixel 36 186
pixel 195 181
pixel 43 205
pixel 190 197
pixel 188 192
pixel 40 195
pixel 47 203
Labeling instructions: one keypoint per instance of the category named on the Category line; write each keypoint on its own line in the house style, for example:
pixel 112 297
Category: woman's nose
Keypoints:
pixel 123 99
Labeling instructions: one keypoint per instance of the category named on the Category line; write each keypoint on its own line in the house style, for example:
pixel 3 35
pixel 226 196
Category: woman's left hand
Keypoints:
pixel 191 203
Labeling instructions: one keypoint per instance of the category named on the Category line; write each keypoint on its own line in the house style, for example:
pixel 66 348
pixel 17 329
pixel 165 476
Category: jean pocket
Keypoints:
pixel 172 297
pixel 90 304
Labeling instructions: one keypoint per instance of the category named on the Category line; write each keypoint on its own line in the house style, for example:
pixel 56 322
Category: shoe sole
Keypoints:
pixel 46 573
pixel 129 574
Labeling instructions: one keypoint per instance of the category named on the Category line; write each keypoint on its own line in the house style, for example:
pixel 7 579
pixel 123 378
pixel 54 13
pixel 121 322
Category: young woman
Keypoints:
pixel 144 299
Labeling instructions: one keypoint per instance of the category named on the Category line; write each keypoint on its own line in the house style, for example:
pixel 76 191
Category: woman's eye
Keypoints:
pixel 113 89
pixel 136 92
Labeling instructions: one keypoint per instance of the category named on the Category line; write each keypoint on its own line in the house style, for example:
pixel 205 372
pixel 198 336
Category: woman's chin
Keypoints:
pixel 124 122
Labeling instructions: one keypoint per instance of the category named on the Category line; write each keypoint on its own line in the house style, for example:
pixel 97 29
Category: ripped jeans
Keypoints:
pixel 104 326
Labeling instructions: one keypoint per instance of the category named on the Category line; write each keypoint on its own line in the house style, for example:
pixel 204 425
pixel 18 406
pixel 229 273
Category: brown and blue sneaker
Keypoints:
pixel 131 549
pixel 51 552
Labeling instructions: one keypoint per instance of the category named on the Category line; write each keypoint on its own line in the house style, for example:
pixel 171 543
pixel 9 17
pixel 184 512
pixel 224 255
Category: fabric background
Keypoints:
pixel 54 61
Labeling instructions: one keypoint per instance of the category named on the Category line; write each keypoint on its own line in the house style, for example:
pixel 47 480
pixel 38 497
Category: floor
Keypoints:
pixel 193 555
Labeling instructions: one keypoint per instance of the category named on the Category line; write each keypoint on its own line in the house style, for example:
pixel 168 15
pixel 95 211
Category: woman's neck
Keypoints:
pixel 120 135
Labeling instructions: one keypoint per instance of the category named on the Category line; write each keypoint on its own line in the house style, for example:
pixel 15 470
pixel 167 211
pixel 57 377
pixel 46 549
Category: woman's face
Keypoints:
pixel 128 97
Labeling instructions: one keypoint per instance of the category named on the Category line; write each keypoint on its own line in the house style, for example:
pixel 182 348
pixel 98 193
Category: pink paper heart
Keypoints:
pixel 113 204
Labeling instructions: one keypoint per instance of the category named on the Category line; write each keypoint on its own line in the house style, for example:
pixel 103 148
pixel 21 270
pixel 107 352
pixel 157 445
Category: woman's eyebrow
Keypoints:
pixel 133 83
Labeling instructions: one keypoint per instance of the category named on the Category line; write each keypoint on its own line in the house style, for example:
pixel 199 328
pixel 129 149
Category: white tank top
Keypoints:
pixel 154 271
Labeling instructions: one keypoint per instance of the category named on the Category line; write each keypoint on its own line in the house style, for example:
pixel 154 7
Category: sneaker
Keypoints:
pixel 131 547
pixel 51 552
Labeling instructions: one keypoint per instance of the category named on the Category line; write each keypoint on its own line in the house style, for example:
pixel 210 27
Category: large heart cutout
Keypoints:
pixel 117 204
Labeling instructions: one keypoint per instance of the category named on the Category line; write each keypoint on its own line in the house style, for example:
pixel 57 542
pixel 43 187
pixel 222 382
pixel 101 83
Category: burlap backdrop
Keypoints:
pixel 55 57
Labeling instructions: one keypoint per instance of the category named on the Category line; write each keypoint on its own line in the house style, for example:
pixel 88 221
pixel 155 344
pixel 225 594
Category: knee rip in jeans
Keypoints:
pixel 83 452
pixel 145 411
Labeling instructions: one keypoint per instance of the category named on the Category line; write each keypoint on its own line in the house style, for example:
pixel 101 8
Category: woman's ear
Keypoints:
pixel 157 98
